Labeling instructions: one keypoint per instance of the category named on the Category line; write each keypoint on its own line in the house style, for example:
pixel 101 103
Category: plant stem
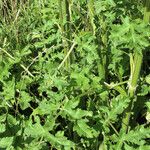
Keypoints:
pixel 117 87
pixel 146 17
pixel 67 55
pixel 13 58
pixel 102 39
pixel 64 9
pixel 91 15
pixel 134 75
pixel 68 29
pixel 104 49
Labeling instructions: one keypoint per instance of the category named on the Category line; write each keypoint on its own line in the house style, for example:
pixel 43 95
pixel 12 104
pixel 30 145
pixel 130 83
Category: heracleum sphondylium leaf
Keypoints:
pixel 55 97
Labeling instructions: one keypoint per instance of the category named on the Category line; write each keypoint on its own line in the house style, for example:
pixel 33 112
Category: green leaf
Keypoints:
pixel 2 127
pixel 46 107
pixel 138 135
pixel 69 109
pixel 62 140
pixel 118 105
pixel 83 129
pixel 50 123
pixel 9 89
pixel 78 113
pixel 6 142
pixel 147 78
pixel 145 89
pixel 24 100
pixel 35 130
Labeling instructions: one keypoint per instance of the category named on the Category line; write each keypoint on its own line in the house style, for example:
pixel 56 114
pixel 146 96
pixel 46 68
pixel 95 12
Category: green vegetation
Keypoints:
pixel 74 75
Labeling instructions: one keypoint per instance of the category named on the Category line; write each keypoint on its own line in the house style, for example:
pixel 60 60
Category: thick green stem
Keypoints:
pixel 65 15
pixel 136 67
pixel 146 11
pixel 61 15
pixel 68 29
pixel 102 39
pixel 134 75
pixel 91 15
pixel 67 35
pixel 103 42
pixel 104 50
pixel 68 19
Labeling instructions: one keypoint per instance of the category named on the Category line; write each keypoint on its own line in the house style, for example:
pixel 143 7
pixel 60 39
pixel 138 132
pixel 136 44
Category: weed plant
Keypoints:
pixel 74 75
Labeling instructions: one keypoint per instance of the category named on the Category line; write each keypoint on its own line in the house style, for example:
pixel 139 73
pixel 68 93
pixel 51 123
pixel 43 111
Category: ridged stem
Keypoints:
pixel 135 72
pixel 64 15
pixel 134 75
pixel 91 15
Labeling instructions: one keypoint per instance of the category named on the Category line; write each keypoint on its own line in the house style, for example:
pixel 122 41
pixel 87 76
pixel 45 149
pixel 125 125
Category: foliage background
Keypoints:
pixel 66 68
